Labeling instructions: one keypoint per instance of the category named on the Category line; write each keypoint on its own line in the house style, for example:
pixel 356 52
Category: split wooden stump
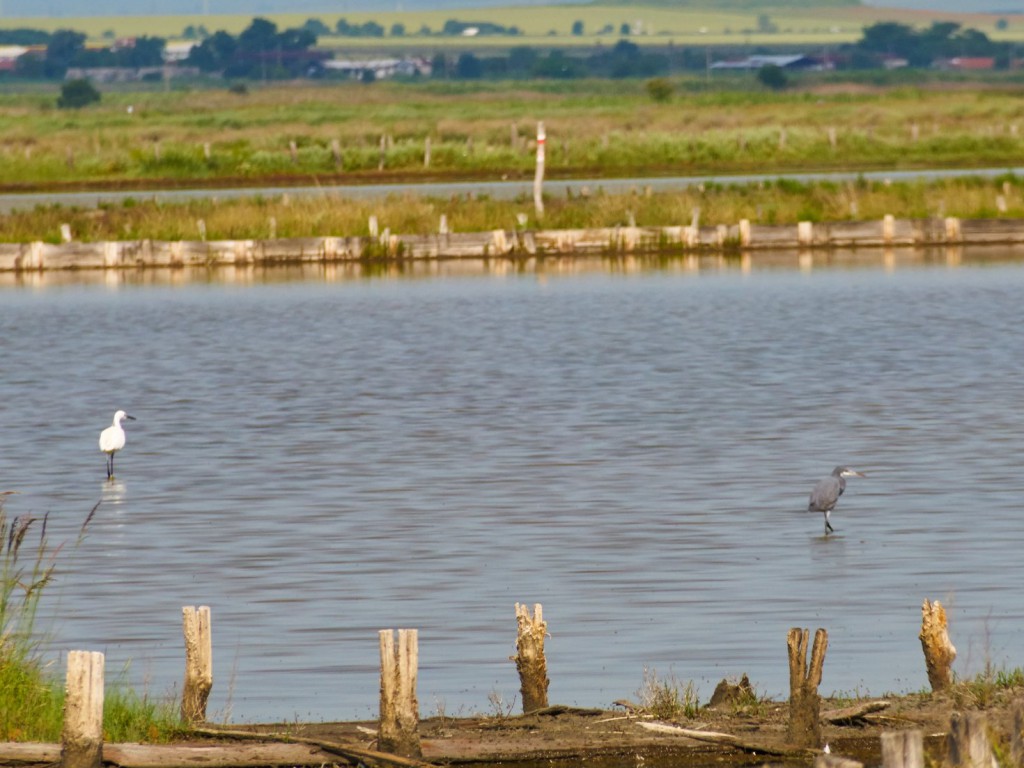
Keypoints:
pixel 804 703
pixel 399 708
pixel 530 661
pixel 967 744
pixel 82 738
pixel 939 652
pixel 198 663
pixel 902 749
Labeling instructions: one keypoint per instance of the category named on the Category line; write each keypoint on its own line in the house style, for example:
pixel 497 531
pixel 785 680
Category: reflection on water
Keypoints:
pixel 323 452
pixel 745 262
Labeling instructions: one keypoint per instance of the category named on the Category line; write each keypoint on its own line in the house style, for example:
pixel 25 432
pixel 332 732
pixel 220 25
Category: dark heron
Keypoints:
pixel 827 492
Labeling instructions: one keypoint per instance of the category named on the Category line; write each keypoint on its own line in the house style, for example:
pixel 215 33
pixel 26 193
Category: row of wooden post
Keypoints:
pixel 399 708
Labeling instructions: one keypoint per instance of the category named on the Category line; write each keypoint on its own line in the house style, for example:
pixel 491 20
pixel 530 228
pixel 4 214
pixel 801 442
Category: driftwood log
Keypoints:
pixel 939 652
pixel 804 703
pixel 530 661
pixel 721 739
pixel 851 715
pixel 351 752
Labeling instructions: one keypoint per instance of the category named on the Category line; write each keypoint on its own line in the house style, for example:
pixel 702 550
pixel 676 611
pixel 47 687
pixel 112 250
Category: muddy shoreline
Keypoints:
pixel 565 736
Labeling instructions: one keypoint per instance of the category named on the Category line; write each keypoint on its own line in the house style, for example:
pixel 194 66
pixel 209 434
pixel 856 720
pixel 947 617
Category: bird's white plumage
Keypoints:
pixel 112 438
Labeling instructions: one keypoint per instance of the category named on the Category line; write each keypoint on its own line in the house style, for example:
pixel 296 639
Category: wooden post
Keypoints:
pixel 82 739
pixel 952 228
pixel 383 151
pixel 805 232
pixel 902 749
pixel 373 226
pixel 832 138
pixel 538 179
pixel 198 663
pixel 835 761
pixel 399 709
pixel 1017 735
pixel 939 652
pixel 888 227
pixel 804 704
pixel 744 232
pixel 207 151
pixel 65 233
pixel 336 152
pixel 426 152
pixel 293 150
pixel 967 742
pixel 530 661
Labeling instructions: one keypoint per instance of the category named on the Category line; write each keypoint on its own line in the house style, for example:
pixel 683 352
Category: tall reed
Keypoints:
pixel 31 689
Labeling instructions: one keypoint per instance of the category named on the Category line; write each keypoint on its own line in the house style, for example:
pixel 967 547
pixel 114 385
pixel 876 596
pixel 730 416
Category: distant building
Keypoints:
pixel 129 74
pixel 966 63
pixel 895 62
pixel 788 61
pixel 381 69
pixel 178 50
pixel 9 55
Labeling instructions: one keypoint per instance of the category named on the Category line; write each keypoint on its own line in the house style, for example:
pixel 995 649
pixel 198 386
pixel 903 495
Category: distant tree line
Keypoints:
pixel 922 47
pixel 258 52
pixel 66 48
pixel 261 51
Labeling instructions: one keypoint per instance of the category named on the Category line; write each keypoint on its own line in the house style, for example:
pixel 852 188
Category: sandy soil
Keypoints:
pixel 607 737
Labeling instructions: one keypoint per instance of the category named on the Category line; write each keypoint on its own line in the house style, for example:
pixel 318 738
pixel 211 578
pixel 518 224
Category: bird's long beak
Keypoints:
pixel 130 418
pixel 855 473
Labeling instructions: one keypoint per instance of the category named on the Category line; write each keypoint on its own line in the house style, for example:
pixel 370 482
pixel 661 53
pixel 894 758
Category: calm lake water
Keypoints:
pixel 320 454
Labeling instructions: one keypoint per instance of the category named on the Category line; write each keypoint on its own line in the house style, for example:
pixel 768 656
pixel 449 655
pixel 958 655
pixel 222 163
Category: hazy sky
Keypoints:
pixel 58 8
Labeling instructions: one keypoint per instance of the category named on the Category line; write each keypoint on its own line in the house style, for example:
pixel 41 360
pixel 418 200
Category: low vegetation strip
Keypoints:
pixel 568 206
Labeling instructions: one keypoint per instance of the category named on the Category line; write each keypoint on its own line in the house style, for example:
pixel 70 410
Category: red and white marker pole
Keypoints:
pixel 538 179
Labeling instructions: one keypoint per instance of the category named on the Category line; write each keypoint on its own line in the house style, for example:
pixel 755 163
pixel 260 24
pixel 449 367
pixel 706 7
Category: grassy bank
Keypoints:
pixel 781 202
pixel 351 132
pixel 31 688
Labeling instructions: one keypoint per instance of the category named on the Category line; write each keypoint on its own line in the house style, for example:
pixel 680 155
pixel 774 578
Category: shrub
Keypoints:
pixel 75 94
pixel 659 89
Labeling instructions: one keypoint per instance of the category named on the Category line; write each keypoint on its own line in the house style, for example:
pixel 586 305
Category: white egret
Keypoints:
pixel 112 440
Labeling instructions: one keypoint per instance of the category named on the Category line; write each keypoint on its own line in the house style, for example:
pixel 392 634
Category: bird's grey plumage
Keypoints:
pixel 827 492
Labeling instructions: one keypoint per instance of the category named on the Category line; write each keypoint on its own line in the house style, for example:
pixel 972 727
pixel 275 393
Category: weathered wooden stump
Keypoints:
pixel 902 749
pixel 198 663
pixel 1017 735
pixel 967 745
pixel 399 708
pixel 804 703
pixel 82 738
pixel 530 661
pixel 939 652
pixel 835 761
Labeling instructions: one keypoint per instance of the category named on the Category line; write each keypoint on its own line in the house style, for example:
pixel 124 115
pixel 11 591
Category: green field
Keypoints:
pixel 298 133
pixel 551 25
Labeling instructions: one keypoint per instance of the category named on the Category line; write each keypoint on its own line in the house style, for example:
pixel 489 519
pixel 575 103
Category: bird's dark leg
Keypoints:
pixel 828 526
pixel 110 466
